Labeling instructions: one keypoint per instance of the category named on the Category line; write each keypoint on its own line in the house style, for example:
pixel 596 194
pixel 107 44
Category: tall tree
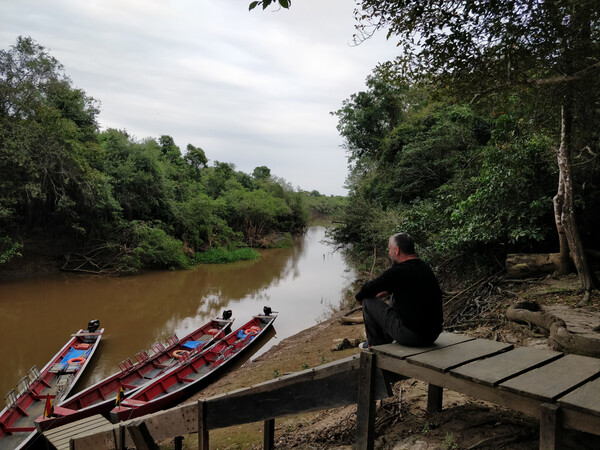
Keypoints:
pixel 196 157
pixel 549 48
pixel 49 156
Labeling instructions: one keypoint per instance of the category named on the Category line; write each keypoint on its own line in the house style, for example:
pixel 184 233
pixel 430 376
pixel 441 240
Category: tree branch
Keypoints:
pixel 539 82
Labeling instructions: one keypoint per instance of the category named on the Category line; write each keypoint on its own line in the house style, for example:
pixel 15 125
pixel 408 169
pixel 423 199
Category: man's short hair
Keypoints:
pixel 405 242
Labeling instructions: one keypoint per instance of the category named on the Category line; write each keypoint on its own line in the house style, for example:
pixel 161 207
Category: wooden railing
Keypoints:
pixel 328 386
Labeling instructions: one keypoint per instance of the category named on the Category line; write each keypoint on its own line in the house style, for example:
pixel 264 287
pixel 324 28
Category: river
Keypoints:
pixel 304 283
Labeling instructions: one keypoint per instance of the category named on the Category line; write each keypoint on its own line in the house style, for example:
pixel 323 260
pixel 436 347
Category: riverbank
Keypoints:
pixel 402 420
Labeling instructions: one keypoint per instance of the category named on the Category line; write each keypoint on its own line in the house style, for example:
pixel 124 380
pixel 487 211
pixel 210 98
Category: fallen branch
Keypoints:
pixel 560 337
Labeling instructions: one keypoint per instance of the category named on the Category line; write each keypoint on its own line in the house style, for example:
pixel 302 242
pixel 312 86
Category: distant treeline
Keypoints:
pixel 115 204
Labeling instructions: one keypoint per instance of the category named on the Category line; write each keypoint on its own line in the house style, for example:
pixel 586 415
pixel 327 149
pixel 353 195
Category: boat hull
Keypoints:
pixel 191 376
pixel 52 383
pixel 100 398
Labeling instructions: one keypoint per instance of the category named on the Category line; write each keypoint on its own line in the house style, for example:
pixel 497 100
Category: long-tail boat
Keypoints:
pixel 100 398
pixel 39 390
pixel 193 372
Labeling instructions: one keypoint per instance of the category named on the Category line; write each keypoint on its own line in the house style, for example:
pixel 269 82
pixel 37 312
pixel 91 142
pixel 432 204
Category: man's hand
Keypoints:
pixel 383 294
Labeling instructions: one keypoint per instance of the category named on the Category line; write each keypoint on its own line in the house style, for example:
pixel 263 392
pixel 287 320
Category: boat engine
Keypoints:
pixel 267 310
pixel 227 314
pixel 93 325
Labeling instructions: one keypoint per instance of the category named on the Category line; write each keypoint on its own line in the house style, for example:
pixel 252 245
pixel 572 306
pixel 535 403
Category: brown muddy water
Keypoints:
pixel 303 283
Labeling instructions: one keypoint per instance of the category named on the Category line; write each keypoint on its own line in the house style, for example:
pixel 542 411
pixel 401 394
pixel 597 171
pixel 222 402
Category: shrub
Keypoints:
pixel 223 255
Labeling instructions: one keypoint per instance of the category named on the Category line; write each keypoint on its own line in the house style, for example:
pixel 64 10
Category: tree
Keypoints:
pixel 368 116
pixel 261 173
pixel 550 49
pixel 49 156
pixel 196 157
pixel 168 148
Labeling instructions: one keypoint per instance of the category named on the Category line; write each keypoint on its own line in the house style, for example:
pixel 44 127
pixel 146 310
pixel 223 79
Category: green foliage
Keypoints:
pixel 196 157
pixel 9 249
pixel 265 4
pixel 320 205
pixel 222 255
pixel 512 198
pixel 153 247
pixel 465 181
pixel 49 159
pixel 368 116
pixel 141 201
pixel 261 173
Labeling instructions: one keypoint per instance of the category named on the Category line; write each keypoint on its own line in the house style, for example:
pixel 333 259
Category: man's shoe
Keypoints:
pixel 364 346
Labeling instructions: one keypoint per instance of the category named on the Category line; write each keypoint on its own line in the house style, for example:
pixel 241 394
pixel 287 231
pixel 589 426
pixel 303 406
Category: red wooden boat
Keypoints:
pixel 39 390
pixel 193 372
pixel 100 397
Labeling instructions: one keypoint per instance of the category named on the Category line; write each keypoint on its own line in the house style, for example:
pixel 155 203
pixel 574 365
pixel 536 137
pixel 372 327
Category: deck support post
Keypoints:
pixel 178 443
pixel 365 413
pixel 435 395
pixel 121 443
pixel 550 426
pixel 269 434
pixel 202 427
pixel 140 435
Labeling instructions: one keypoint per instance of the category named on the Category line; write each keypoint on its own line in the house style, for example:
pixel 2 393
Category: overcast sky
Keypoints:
pixel 250 88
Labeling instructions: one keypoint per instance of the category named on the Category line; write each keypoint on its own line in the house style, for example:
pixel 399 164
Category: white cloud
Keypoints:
pixel 252 88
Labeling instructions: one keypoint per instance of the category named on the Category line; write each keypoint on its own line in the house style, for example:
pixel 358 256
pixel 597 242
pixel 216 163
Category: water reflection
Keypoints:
pixel 303 283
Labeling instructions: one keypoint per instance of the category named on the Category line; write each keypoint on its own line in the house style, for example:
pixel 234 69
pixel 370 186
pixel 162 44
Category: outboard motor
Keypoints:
pixel 267 310
pixel 93 325
pixel 227 314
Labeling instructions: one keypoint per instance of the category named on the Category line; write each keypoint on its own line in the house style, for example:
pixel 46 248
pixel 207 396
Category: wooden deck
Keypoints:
pixel 561 390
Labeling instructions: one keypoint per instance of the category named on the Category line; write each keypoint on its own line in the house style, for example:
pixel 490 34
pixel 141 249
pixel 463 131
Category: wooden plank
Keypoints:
pixel 178 443
pixel 307 391
pixel 576 420
pixel 401 351
pixel 141 436
pixel 435 397
pixel 365 409
pixel 453 356
pixel 550 428
pixel 59 437
pixel 269 434
pixel 92 421
pixel 446 380
pixel 554 379
pixel 585 398
pixel 203 437
pixel 496 369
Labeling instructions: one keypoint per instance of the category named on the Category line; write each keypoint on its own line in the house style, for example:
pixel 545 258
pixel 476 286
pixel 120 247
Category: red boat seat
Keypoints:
pixel 142 356
pixel 132 403
pixel 125 365
pixel 60 411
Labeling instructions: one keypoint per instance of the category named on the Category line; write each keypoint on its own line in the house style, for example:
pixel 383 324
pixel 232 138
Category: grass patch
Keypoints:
pixel 224 255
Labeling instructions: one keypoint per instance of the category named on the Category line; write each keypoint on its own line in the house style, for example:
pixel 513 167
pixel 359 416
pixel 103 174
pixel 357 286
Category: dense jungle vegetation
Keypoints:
pixel 115 204
pixel 482 138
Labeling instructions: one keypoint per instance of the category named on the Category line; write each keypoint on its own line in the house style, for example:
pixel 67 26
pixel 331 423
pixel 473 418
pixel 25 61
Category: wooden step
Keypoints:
pixel 59 437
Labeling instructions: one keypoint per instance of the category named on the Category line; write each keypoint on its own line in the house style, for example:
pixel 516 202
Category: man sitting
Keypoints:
pixel 414 316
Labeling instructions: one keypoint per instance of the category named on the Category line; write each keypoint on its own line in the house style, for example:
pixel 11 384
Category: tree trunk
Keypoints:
pixel 521 265
pixel 564 264
pixel 564 211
